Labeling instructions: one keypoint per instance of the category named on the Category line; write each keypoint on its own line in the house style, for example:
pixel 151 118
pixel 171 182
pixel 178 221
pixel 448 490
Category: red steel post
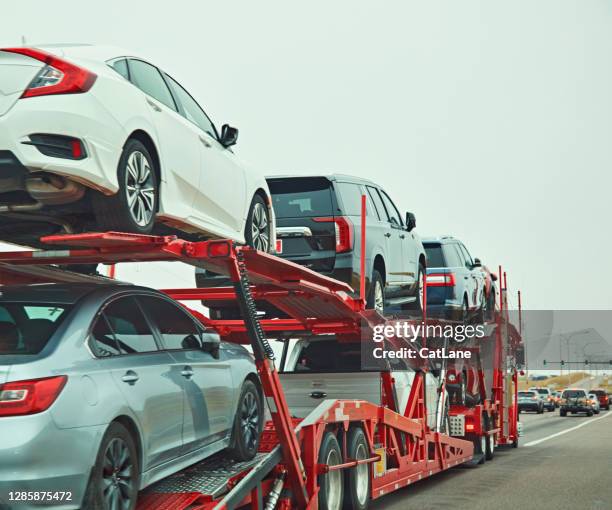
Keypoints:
pixel 362 293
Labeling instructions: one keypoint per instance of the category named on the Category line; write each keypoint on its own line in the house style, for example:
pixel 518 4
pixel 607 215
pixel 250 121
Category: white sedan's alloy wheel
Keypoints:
pixel 140 188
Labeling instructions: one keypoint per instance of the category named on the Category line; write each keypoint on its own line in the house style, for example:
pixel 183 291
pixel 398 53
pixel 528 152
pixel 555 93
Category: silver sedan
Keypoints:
pixel 105 389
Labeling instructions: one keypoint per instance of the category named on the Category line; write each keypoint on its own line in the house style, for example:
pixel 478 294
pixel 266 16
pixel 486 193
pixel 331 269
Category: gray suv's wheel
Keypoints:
pixel 133 207
pixel 376 294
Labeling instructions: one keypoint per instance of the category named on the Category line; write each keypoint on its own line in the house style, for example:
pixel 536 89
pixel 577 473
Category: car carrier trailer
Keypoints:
pixel 344 450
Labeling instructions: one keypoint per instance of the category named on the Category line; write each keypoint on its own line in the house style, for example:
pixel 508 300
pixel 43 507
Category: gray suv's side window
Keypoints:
pixel 148 79
pixel 468 259
pixel 177 329
pixel 378 204
pixel 394 216
pixel 453 257
pixel 129 327
pixel 350 194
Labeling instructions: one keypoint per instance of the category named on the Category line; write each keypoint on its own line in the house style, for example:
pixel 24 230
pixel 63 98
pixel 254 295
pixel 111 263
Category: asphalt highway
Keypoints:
pixel 561 463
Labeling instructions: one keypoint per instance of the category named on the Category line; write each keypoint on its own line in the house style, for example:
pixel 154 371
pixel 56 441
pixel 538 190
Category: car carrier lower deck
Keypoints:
pixel 398 446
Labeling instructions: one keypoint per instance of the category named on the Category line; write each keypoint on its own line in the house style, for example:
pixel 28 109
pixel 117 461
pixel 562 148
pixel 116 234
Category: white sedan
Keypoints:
pixel 92 138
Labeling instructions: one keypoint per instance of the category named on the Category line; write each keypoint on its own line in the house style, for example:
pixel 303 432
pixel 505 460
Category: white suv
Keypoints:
pixel 93 138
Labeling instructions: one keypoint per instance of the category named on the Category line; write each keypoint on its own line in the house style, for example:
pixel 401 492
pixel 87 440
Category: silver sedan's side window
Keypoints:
pixel 123 329
pixel 177 329
pixel 105 343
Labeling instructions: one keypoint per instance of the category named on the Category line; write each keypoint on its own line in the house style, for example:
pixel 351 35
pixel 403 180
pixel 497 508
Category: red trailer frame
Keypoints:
pixel 313 305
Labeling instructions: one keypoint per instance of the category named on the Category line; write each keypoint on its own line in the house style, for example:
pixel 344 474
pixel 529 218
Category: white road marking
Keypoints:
pixel 538 441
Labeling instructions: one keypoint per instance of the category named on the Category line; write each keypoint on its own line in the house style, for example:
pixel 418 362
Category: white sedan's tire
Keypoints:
pixel 257 231
pixel 133 207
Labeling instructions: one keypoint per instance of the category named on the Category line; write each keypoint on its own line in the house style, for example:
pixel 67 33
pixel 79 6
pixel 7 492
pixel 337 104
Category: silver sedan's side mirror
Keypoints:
pixel 211 342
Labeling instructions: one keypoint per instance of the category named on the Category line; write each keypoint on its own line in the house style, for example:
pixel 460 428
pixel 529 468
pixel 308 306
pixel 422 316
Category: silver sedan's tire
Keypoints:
pixel 248 423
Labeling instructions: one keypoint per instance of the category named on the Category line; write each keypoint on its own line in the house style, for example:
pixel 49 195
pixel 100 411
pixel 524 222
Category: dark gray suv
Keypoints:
pixel 318 224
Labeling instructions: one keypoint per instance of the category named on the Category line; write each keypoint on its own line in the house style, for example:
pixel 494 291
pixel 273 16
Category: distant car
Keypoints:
pixel 94 138
pixel 557 397
pixel 594 401
pixel 603 397
pixel 318 222
pixel 575 400
pixel 458 286
pixel 530 401
pixel 105 389
pixel 546 396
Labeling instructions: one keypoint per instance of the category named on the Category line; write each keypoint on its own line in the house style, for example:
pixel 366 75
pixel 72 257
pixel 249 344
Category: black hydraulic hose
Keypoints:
pixel 248 308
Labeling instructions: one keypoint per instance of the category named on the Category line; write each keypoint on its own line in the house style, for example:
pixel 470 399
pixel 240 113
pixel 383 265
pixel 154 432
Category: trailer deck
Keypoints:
pixel 402 447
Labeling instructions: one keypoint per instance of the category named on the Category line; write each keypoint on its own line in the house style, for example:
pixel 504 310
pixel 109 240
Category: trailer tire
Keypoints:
pixel 480 446
pixel 490 447
pixel 248 421
pixel 357 481
pixel 331 484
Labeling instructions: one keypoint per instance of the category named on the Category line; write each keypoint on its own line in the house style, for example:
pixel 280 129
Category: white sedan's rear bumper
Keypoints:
pixel 80 116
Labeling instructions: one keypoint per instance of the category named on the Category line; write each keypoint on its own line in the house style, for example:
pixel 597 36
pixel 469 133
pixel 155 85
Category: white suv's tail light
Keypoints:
pixel 441 280
pixel 57 77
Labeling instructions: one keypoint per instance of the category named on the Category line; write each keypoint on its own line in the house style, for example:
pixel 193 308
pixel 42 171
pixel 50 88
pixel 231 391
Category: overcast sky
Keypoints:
pixel 490 120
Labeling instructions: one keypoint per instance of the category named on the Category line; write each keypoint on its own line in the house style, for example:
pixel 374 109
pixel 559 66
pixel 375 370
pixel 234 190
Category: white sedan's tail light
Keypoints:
pixel 57 77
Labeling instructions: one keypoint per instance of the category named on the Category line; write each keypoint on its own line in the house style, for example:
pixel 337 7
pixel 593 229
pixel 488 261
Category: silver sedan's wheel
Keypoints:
pixel 140 188
pixel 248 423
pixel 113 484
pixel 249 420
pixel 117 476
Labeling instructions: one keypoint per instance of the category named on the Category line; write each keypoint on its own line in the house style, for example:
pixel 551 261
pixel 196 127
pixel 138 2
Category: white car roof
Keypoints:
pixel 100 53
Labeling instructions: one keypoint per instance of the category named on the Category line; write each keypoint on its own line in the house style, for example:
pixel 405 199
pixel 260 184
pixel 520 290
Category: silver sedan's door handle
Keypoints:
pixel 402 236
pixel 130 377
pixel 387 234
pixel 205 141
pixel 154 106
pixel 187 372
